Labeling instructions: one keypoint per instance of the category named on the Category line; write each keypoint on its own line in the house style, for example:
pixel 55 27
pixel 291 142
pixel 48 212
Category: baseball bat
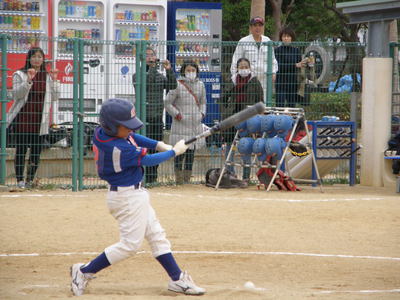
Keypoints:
pixel 233 120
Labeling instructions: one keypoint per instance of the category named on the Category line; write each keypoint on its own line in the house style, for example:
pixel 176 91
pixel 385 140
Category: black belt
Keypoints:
pixel 114 188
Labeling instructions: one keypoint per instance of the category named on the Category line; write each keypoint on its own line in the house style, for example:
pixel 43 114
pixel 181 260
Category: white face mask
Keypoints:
pixel 191 75
pixel 244 72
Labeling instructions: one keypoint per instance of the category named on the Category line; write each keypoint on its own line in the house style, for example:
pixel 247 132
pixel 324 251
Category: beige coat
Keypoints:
pixel 21 89
pixel 181 101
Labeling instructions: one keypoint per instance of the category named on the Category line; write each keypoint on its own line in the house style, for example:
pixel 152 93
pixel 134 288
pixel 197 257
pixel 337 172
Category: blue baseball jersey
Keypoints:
pixel 119 161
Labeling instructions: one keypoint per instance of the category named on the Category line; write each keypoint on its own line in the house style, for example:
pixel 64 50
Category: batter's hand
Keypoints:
pixel 161 147
pixel 180 147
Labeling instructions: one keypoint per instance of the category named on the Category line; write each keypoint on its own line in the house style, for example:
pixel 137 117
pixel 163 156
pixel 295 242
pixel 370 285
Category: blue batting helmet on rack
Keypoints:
pixel 243 133
pixel 116 112
pixel 274 146
pixel 241 126
pixel 259 149
pixel 282 125
pixel 254 124
pixel 245 145
pixel 267 125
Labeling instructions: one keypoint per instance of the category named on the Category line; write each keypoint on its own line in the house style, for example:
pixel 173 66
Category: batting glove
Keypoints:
pixel 161 147
pixel 180 147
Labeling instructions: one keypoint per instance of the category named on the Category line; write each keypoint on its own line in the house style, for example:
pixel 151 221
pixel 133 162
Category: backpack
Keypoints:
pixel 228 179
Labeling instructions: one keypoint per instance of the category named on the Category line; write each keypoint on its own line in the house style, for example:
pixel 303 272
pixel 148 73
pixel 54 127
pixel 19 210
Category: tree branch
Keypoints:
pixel 342 16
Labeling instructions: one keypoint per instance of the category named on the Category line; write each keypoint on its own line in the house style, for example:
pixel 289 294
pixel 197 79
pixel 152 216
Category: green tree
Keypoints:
pixel 312 20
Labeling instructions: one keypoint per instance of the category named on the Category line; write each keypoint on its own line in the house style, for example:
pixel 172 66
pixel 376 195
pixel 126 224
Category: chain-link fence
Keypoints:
pixel 49 117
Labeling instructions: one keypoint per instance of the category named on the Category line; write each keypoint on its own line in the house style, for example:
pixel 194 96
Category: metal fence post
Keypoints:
pixel 3 100
pixel 75 114
pixel 269 74
pixel 143 93
pixel 80 116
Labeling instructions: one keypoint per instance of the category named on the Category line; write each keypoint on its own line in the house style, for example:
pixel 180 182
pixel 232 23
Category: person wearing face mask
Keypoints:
pixel 187 107
pixel 243 90
pixel 34 91
pixel 156 83
pixel 254 48
pixel 289 62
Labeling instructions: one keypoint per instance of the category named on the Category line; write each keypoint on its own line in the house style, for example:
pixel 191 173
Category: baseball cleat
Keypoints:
pixel 185 285
pixel 79 279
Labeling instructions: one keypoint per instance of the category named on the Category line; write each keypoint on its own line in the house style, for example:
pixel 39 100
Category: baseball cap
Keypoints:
pixel 256 20
pixel 122 112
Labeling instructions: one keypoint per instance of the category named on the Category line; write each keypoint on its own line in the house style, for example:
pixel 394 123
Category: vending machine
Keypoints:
pixel 132 21
pixel 196 28
pixel 28 24
pixel 86 20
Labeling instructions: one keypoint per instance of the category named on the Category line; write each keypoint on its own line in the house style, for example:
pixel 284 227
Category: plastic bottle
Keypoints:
pixel 147 34
pixel 61 9
pixel 99 11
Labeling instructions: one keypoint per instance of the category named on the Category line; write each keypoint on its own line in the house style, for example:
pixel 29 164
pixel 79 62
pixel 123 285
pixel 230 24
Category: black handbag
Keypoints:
pixel 55 135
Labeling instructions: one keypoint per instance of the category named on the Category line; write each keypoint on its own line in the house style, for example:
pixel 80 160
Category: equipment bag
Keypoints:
pixel 282 181
pixel 228 179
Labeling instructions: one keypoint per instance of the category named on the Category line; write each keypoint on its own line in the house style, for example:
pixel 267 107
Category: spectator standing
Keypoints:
pixel 34 90
pixel 289 61
pixel 187 106
pixel 251 47
pixel 156 83
pixel 244 89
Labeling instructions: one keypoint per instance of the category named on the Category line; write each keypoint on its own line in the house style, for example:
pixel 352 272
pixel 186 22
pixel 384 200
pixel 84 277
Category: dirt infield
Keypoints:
pixel 342 244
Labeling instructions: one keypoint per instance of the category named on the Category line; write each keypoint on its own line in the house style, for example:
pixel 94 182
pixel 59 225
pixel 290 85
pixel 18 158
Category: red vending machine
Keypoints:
pixel 28 24
pixel 85 20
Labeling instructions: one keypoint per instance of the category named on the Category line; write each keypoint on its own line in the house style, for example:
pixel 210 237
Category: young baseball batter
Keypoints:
pixel 120 155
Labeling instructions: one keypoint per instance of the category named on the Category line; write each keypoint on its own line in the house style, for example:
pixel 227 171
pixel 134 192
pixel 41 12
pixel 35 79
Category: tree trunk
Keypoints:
pixel 257 9
pixel 277 16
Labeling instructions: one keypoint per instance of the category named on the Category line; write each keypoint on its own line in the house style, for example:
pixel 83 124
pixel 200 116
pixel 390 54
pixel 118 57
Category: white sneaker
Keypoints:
pixel 185 285
pixel 21 184
pixel 79 279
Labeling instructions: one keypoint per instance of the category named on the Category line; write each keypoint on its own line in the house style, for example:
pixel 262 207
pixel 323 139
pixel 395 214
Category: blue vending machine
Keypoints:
pixel 194 33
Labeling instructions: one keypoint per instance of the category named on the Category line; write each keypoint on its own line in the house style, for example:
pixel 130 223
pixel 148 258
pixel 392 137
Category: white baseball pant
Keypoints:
pixel 137 220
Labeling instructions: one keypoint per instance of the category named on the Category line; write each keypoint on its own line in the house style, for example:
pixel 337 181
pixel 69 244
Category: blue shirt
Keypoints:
pixel 119 161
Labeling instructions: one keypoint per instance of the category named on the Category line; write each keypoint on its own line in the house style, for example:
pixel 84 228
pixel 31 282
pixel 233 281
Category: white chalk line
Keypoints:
pixel 359 292
pixel 172 196
pixel 217 253
pixel 43 195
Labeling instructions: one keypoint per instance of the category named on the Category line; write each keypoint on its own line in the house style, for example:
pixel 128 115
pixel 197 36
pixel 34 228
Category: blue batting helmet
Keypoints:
pixel 282 124
pixel 274 146
pixel 267 125
pixel 243 133
pixel 241 126
pixel 254 124
pixel 259 149
pixel 116 112
pixel 245 145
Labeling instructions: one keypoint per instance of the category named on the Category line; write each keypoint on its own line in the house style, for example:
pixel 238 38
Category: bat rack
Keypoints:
pixel 297 114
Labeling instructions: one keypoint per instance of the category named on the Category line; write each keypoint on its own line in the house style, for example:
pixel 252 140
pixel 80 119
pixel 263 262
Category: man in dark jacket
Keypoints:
pixel 156 83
